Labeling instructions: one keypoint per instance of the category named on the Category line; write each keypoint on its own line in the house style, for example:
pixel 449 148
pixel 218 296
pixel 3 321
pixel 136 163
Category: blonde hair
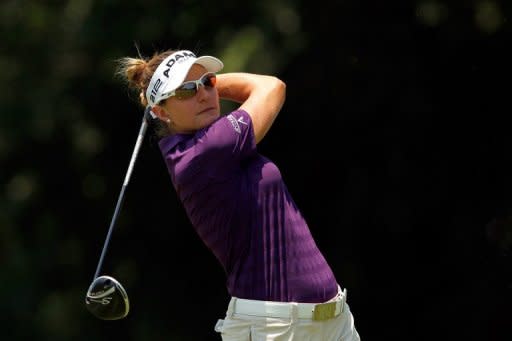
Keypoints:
pixel 137 73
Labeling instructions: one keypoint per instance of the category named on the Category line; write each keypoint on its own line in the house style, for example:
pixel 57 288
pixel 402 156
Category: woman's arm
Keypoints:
pixel 261 96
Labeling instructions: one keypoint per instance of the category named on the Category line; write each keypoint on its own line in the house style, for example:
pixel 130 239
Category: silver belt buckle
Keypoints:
pixel 324 311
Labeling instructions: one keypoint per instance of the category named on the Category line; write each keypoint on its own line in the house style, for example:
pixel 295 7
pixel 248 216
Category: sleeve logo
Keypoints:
pixel 236 122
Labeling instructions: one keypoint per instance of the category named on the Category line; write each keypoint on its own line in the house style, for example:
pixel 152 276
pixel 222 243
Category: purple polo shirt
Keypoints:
pixel 240 207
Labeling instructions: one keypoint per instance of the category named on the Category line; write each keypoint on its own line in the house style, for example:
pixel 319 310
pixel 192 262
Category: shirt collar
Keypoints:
pixel 167 143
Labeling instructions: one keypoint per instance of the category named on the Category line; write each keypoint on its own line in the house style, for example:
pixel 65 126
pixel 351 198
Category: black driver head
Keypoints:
pixel 106 299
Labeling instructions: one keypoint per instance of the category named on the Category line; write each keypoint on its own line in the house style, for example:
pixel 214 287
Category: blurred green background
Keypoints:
pixel 394 141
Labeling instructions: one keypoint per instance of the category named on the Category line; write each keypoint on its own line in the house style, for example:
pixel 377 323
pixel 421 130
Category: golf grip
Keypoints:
pixel 138 143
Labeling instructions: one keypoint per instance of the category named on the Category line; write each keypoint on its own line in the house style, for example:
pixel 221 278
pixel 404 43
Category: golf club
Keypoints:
pixel 106 298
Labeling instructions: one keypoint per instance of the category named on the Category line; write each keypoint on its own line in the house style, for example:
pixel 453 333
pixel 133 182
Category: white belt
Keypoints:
pixel 314 311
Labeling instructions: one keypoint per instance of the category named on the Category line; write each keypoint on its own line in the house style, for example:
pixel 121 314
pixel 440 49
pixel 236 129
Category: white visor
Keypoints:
pixel 172 71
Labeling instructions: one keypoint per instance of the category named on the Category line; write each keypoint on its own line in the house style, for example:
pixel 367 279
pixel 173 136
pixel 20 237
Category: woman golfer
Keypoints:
pixel 280 284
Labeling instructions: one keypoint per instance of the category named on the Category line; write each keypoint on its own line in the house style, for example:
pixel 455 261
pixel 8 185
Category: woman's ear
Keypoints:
pixel 161 113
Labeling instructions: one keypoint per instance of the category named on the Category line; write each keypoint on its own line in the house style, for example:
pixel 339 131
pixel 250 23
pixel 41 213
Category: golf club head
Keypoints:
pixel 106 299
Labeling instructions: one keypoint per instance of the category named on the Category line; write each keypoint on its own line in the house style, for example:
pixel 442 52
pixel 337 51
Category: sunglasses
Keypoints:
pixel 189 89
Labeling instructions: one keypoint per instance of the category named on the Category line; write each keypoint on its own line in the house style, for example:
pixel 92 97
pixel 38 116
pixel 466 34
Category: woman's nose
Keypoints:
pixel 201 92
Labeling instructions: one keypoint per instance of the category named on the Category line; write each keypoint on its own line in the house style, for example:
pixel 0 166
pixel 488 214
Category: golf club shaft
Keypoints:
pixel 138 143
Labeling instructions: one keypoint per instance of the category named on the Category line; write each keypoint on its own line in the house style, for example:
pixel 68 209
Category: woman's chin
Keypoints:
pixel 209 117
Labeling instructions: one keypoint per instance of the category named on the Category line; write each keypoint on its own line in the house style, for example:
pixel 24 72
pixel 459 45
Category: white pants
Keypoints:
pixel 241 327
